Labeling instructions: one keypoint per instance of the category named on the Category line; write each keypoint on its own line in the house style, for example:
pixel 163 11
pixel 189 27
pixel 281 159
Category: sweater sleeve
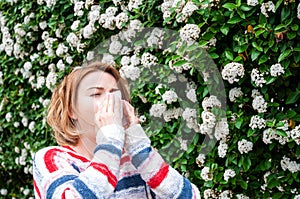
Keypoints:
pixel 56 172
pixel 163 180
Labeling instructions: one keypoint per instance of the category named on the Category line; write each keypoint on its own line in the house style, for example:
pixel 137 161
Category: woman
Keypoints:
pixel 103 152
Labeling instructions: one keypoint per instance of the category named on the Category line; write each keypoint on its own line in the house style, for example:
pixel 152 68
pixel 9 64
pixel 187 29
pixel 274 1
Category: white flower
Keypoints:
pixel 221 129
pixel 31 126
pixel 205 174
pixel 241 196
pixel 187 11
pixel 169 97
pixel 115 47
pixel 295 134
pixel 61 49
pixel 157 110
pixel 287 164
pixel 25 121
pixel 276 70
pixel 72 39
pixel 148 60
pixel 88 31
pixel 298 11
pixel 229 173
pixel 50 3
pixel 8 116
pixel 60 65
pixel 172 113
pixel 78 8
pixel 134 4
pixel 252 2
pixel 209 119
pixel 121 19
pixel 244 146
pixel 130 72
pixel 235 93
pixel 51 80
pixel 259 104
pixel 232 72
pixel 210 102
pixel 75 25
pixel 189 33
pixel 108 59
pixel 69 59
pixel 191 95
pixel 222 149
pixel 267 7
pixel 200 160
pixel 268 135
pixel 257 122
pixel 3 192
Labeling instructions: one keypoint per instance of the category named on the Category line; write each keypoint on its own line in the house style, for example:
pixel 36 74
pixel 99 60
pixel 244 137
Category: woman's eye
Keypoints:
pixel 96 94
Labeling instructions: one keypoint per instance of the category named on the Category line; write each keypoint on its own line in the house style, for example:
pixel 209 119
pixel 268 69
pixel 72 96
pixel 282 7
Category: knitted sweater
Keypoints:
pixel 122 167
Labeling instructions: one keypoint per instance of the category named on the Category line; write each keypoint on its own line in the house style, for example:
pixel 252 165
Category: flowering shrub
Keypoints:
pixel 253 43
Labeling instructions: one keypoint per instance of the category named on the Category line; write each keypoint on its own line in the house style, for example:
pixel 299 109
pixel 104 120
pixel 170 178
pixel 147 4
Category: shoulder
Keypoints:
pixel 51 158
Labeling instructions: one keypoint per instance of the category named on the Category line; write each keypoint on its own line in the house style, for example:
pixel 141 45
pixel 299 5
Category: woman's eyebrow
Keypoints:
pixel 96 87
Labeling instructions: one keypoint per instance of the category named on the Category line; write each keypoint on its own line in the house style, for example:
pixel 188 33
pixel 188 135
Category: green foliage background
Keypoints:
pixel 243 34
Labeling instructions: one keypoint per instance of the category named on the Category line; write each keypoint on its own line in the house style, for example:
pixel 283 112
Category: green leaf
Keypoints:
pixel 228 55
pixel 263 59
pixel 291 114
pixel 284 55
pixel 273 182
pixel 254 54
pixel 245 8
pixel 224 29
pixel 243 184
pixel 258 47
pixel 234 20
pixel 229 6
pixel 292 98
pixel 246 163
pixel 285 13
pixel 281 133
pixel 278 4
pixel 239 122
pixel 291 35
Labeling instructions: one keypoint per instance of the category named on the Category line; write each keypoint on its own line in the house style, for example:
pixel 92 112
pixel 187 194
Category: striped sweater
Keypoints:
pixel 124 166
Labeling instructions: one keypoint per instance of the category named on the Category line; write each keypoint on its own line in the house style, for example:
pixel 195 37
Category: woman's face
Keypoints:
pixel 91 91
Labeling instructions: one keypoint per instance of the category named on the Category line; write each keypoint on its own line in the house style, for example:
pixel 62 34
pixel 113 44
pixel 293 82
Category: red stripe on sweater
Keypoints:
pixel 159 176
pixel 83 159
pixel 63 195
pixel 36 189
pixel 125 159
pixel 49 159
pixel 104 169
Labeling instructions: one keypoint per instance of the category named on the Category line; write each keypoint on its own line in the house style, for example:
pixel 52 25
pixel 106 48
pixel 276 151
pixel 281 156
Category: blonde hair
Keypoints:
pixel 63 101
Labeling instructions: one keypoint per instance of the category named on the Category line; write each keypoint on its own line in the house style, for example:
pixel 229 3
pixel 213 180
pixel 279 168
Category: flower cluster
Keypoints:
pixel 232 72
pixel 257 77
pixel 257 122
pixel 276 70
pixel 287 164
pixel 267 7
pixel 229 173
pixel 183 10
pixel 252 2
pixel 206 175
pixel 244 146
pixel 189 33
pixel 235 93
pixel 259 104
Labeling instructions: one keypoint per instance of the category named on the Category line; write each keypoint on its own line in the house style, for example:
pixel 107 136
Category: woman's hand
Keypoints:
pixel 109 111
pixel 129 115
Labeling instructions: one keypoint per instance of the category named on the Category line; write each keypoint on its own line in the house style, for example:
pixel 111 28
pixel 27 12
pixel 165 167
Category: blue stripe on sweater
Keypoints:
pixel 57 183
pixel 139 158
pixel 186 192
pixel 110 148
pixel 84 191
pixel 129 182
